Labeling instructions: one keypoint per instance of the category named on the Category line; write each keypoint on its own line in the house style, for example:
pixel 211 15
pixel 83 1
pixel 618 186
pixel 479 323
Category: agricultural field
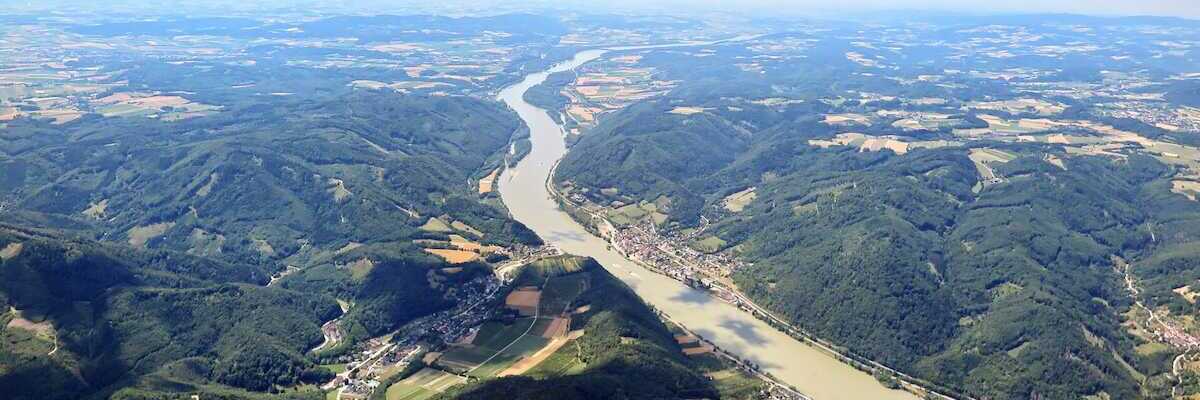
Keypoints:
pixel 524 300
pixel 871 143
pixel 738 201
pixel 608 85
pixel 492 337
pixel 423 384
pixel 708 244
pixel 848 119
pixel 631 214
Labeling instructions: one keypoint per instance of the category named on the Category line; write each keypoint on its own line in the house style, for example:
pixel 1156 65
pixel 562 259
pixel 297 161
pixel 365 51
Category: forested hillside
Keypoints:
pixel 114 317
pixel 990 266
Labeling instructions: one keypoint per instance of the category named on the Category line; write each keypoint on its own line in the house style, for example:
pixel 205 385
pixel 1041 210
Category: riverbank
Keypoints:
pixel 523 190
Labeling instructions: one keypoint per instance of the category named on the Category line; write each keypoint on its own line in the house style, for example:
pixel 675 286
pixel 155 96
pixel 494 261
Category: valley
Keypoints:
pixel 395 201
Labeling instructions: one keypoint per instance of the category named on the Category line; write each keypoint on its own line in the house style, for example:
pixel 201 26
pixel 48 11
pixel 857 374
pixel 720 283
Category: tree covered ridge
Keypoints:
pixel 1004 292
pixel 320 184
pixel 268 180
pixel 119 314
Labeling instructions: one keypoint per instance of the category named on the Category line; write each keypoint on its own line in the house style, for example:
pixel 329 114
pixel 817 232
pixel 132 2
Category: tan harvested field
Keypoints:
pixel 909 124
pixel 11 250
pixel 687 110
pixel 140 103
pixel 686 339
pixel 701 349
pixel 738 201
pixel 96 210
pixel 845 119
pixel 588 91
pixel 138 236
pixel 414 72
pixel 556 328
pixel 582 114
pixel 8 113
pixel 525 300
pixel 525 364
pixel 463 243
pixel 877 143
pixel 454 256
pixel 60 116
pixel 488 183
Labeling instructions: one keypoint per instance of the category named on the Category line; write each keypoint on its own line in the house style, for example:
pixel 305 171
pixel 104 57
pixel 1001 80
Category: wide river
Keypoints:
pixel 523 189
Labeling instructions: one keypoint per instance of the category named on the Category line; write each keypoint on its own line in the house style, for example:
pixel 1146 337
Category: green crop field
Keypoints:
pixel 562 362
pixel 403 391
pixel 492 337
pixel 523 347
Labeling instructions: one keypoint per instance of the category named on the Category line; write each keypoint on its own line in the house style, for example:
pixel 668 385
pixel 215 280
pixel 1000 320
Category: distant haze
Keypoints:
pixel 1177 8
pixel 820 8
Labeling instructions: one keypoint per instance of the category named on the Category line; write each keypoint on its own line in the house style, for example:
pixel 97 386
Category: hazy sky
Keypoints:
pixel 824 8
pixel 1180 8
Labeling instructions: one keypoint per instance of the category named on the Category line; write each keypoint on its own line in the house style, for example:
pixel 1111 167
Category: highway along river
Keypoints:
pixel 523 189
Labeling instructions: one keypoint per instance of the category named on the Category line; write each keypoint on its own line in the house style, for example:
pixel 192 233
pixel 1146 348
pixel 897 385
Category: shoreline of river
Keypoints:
pixel 523 190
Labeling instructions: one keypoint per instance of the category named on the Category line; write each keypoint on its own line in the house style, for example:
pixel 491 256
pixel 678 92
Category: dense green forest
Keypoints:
pixel 119 317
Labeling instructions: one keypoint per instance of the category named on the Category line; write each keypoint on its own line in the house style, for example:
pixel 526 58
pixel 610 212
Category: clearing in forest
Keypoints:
pixel 1187 188
pixel 488 183
pixel 687 110
pixel 738 201
pixel 454 256
pixel 436 225
pixel 11 250
pixel 138 236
